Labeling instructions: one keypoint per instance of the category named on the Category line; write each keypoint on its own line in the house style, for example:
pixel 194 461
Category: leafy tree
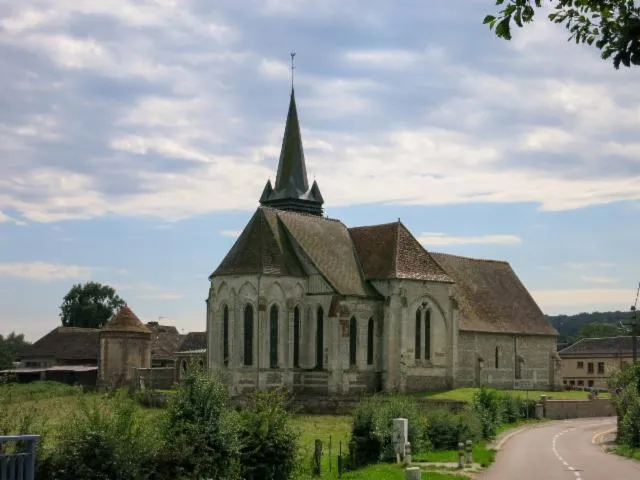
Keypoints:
pixel 89 305
pixel 613 26
pixel 10 347
pixel 599 330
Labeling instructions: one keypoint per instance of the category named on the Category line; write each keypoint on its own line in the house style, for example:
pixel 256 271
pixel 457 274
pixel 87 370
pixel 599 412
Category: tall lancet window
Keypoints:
pixel 427 334
pixel 273 337
pixel 353 341
pixel 248 335
pixel 497 359
pixel 418 334
pixel 370 339
pixel 296 337
pixel 319 338
pixel 225 336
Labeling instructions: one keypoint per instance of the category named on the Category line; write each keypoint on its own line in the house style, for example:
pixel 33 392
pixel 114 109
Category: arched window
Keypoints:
pixel 296 337
pixel 248 335
pixel 319 338
pixel 353 341
pixel 497 357
pixel 273 337
pixel 370 342
pixel 225 335
pixel 418 333
pixel 427 334
pixel 184 367
pixel 201 364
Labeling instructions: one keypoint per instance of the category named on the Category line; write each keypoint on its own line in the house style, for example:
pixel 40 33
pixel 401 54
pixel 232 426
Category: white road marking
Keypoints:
pixel 554 443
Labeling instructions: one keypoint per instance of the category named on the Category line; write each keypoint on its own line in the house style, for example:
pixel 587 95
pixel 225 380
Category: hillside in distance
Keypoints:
pixel 569 325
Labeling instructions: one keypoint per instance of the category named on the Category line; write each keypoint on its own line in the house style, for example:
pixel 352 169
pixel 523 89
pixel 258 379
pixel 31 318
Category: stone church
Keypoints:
pixel 301 301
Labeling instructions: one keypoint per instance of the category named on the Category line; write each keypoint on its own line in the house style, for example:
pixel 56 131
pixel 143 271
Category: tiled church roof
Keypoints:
pixel 262 247
pixel 391 251
pixel 491 297
pixel 328 244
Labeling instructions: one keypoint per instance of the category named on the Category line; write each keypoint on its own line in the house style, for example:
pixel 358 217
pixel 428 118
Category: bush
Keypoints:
pixel 489 408
pixel 445 429
pixel 372 432
pixel 511 407
pixel 202 430
pixel 269 441
pixel 112 441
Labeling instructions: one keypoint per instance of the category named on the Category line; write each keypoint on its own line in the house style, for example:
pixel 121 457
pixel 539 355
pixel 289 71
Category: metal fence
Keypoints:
pixel 18 462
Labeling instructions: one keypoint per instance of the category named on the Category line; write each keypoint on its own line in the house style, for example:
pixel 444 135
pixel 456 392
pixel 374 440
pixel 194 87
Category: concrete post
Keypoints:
pixel 407 453
pixel 413 473
pixel 539 411
pixel 469 452
pixel 460 455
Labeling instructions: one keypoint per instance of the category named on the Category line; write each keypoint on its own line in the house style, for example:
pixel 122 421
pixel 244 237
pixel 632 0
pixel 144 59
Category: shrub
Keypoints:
pixel 511 407
pixel 202 430
pixel 372 432
pixel 629 425
pixel 269 441
pixel 445 429
pixel 103 441
pixel 488 407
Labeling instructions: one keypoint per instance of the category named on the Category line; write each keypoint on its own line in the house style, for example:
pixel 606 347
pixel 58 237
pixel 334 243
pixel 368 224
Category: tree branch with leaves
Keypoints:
pixel 612 26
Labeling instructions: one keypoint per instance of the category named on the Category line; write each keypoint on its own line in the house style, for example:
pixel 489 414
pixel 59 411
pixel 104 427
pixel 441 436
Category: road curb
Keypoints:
pixel 497 447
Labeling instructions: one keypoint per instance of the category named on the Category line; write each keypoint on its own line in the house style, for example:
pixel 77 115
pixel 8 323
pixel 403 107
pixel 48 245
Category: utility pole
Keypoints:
pixel 634 327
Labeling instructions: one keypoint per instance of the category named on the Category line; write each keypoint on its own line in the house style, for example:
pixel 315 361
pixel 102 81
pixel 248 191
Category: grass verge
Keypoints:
pixel 467 394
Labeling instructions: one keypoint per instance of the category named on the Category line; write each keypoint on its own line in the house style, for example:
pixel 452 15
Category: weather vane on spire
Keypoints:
pixel 293 54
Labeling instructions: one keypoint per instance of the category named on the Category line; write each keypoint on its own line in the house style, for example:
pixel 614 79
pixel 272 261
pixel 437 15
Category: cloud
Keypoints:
pixel 173 109
pixel 231 233
pixel 588 265
pixel 594 279
pixel 577 299
pixel 437 239
pixel 44 272
pixel 4 218
pixel 147 291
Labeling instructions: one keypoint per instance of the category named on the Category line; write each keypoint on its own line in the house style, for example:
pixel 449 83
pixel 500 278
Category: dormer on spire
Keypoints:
pixel 291 190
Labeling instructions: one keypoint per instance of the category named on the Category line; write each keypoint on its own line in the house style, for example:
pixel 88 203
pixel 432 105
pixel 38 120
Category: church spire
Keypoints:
pixel 291 190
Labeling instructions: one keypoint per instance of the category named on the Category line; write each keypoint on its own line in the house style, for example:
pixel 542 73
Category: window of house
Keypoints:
pixel 353 341
pixel 273 337
pixel 427 334
pixel 248 335
pixel 418 333
pixel 580 383
pixel 370 342
pixel 319 338
pixel 564 382
pixel 590 367
pixel 601 367
pixel 590 383
pixel 225 336
pixel 296 337
pixel 497 357
pixel 580 365
pixel 572 382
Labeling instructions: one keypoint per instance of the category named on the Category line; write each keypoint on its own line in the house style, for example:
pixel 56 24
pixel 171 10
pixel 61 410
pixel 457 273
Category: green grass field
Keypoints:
pixel 48 404
pixel 466 394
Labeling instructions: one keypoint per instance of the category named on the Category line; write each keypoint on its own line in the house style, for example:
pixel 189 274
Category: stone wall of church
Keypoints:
pixel 328 371
pixel 433 369
pixel 487 358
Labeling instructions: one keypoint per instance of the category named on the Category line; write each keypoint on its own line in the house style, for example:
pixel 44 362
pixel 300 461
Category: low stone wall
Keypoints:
pixel 565 409
pixel 162 378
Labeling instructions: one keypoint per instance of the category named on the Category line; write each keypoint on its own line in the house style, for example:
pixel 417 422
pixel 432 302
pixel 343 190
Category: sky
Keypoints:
pixel 136 137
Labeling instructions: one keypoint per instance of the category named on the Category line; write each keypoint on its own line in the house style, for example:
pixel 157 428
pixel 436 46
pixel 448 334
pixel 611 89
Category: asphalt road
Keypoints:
pixel 561 450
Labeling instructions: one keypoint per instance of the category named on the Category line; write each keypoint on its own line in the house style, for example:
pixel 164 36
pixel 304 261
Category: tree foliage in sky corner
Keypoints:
pixel 612 26
pixel 89 305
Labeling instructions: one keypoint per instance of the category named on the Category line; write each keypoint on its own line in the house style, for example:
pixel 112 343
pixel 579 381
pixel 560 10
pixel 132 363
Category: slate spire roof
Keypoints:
pixel 291 191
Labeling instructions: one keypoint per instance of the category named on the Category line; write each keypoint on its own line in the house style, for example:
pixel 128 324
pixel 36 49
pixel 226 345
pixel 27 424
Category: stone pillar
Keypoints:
pixel 403 341
pixel 392 353
pixel 454 318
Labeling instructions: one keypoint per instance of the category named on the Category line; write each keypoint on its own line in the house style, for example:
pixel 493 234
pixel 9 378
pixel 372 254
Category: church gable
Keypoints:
pixel 390 251
pixel 491 297
pixel 262 247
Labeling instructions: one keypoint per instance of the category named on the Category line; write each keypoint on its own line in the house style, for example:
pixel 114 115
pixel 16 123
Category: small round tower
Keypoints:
pixel 125 345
